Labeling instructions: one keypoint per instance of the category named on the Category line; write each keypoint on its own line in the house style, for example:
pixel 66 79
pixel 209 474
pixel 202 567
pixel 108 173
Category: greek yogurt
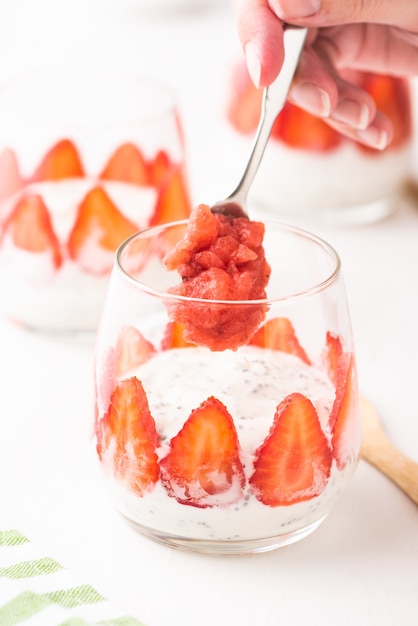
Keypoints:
pixel 250 382
pixel 40 296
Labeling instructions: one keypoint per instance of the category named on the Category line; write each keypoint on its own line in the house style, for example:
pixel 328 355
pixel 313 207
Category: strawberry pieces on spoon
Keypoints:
pixel 220 259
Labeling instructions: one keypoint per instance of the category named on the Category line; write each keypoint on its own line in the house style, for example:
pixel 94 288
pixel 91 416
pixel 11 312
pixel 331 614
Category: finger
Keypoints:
pixel 331 12
pixel 377 135
pixel 319 89
pixel 261 36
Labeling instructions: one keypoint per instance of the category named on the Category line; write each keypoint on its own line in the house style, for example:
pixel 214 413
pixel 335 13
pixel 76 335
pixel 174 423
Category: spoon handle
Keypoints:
pixel 387 458
pixel 274 98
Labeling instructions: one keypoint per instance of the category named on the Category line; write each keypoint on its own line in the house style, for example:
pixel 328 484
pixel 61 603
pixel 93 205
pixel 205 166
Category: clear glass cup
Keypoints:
pixel 309 170
pixel 227 451
pixel 87 158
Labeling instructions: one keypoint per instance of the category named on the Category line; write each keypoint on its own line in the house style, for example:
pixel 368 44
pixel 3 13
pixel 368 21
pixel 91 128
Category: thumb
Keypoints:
pixel 403 13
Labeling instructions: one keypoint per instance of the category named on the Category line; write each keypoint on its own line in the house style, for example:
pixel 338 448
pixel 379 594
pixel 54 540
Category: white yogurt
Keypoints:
pixel 340 183
pixel 40 296
pixel 251 383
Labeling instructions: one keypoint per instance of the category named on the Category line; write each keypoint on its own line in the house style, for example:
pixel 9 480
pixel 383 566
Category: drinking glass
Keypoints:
pixel 236 450
pixel 310 170
pixel 87 158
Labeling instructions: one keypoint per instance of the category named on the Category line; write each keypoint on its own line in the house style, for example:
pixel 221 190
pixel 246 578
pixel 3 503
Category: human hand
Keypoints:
pixel 350 35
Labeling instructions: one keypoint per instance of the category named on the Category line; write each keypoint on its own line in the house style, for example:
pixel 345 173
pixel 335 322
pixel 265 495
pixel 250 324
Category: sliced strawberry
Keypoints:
pixel 203 466
pixel 333 355
pixel 132 350
pixel 61 161
pixel 104 368
pixel 98 231
pixel 10 179
pixel 173 337
pixel 344 418
pixel 127 165
pixel 159 168
pixel 173 201
pixel 303 131
pixel 279 334
pixel 128 438
pixel 31 228
pixel 293 463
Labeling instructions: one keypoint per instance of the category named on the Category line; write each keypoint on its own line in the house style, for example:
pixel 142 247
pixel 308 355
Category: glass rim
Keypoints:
pixel 101 74
pixel 295 230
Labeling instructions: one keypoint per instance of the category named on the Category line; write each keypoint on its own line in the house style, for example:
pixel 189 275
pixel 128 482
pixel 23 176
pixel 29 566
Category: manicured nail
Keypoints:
pixel 351 113
pixel 374 137
pixel 297 8
pixel 253 63
pixel 312 98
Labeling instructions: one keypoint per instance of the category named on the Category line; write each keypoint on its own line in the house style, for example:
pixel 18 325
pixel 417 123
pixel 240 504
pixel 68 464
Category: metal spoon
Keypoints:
pixel 274 98
pixel 378 450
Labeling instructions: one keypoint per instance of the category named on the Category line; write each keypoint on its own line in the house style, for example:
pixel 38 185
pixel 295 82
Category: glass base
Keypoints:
pixel 225 548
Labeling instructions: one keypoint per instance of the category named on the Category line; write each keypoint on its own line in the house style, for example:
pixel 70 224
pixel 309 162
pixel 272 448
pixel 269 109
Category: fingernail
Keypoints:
pixel 312 98
pixel 374 137
pixel 298 8
pixel 351 113
pixel 253 63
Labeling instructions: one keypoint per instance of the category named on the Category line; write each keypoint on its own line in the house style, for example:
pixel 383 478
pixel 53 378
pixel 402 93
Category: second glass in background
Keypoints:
pixel 87 158
pixel 309 170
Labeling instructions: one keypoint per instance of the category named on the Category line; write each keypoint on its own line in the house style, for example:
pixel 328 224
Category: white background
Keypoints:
pixel 361 566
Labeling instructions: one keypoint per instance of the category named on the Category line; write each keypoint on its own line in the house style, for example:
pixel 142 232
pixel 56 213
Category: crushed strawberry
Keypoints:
pixel 221 258
pixel 10 179
pixel 98 230
pixel 31 228
pixel 279 334
pixel 173 202
pixel 293 463
pixel 132 350
pixel 203 466
pixel 128 439
pixel 61 161
pixel 128 165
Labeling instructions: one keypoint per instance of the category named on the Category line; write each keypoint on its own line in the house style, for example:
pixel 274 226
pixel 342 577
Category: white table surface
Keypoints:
pixel 361 566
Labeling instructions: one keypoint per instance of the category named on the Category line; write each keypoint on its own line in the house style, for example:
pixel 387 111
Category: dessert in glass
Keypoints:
pixel 343 181
pixel 227 409
pixel 86 160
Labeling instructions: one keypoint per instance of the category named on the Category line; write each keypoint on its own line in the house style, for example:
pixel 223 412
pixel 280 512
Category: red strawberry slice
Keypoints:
pixel 31 228
pixel 173 337
pixel 333 356
pixel 159 168
pixel 127 165
pixel 303 131
pixel 293 464
pixel 98 231
pixel 10 179
pixel 203 466
pixel 61 161
pixel 173 201
pixel 344 418
pixel 279 334
pixel 132 350
pixel 128 438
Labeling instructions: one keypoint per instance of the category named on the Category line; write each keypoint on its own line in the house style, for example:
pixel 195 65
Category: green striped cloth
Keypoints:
pixel 36 591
